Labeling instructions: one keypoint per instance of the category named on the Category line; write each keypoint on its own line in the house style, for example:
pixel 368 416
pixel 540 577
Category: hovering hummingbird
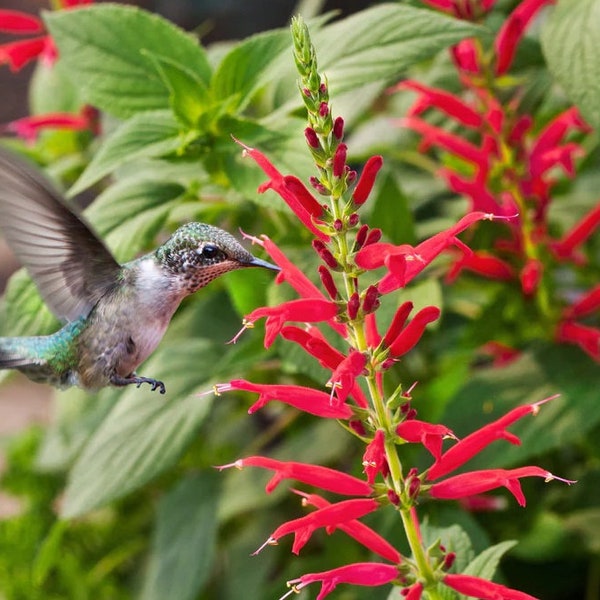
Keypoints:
pixel 115 315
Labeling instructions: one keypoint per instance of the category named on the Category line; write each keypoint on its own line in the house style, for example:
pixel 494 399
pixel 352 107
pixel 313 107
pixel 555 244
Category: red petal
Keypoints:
pixel 481 588
pixel 18 54
pixel 15 21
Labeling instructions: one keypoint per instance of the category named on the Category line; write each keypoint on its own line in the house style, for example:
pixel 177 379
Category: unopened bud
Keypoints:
pixel 338 128
pixel 323 109
pixel 339 160
pixel 325 254
pixel 357 426
pixel 327 281
pixel 317 185
pixel 311 137
pixel 353 306
pixel 338 225
pixel 323 88
pixel 373 237
pixel 393 497
pixel 351 176
pixel 371 300
pixel 353 220
pixel 449 560
pixel 361 236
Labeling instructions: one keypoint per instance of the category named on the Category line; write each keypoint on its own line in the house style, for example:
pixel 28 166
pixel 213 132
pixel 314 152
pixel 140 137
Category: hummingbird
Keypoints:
pixel 114 314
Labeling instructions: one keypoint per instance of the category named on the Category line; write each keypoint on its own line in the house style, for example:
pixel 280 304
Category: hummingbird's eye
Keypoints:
pixel 209 251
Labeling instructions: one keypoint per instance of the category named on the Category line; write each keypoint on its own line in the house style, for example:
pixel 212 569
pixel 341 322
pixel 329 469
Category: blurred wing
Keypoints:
pixel 70 266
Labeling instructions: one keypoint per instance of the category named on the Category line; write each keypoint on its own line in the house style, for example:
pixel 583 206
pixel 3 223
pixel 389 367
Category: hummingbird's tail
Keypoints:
pixel 15 353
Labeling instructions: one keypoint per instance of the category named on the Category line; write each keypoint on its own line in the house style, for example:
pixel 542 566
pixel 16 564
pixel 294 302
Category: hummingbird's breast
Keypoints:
pixel 126 325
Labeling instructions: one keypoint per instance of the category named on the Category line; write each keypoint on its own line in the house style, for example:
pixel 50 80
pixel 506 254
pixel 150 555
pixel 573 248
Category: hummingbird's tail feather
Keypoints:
pixel 15 354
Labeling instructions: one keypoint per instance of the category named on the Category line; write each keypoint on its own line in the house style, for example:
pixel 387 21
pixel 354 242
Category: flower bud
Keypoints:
pixel 338 225
pixel 373 237
pixel 323 109
pixel 371 300
pixel 353 306
pixel 361 236
pixel 317 185
pixel 338 128
pixel 311 137
pixel 393 497
pixel 339 160
pixel 353 220
pixel 327 281
pixel 325 254
pixel 367 179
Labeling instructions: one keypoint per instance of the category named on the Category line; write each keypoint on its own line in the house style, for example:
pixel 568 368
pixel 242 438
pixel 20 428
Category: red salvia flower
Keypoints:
pixel 565 248
pixel 475 442
pixel 430 435
pixel 412 333
pixel 344 376
pixel 587 303
pixel 584 336
pixel 321 477
pixel 476 587
pixel 374 459
pixel 477 482
pixel 367 574
pixel 305 399
pixel 359 531
pixel 367 179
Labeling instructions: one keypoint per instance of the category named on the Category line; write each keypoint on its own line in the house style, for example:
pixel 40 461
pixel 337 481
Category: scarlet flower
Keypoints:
pixel 482 263
pixel 305 399
pixel 565 248
pixel 584 336
pixel 18 54
pixel 321 477
pixel 28 128
pixel 291 189
pixel 477 482
pixel 367 179
pixel 412 333
pixel 475 442
pixel 374 458
pixel 531 275
pixel 588 302
pixel 367 574
pixel 309 310
pixel 430 435
pixel 344 376
pixel 476 587
pixel 359 531
pixel 330 516
pixel 512 31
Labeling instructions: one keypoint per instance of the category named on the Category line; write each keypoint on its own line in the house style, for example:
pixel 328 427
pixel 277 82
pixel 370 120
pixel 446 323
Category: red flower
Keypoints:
pixel 588 303
pixel 586 337
pixel 359 531
pixel 321 477
pixel 28 128
pixel 330 516
pixel 474 443
pixel 430 435
pixel 512 31
pixel 374 458
pixel 367 179
pixel 481 588
pixel 477 482
pixel 482 263
pixel 18 54
pixel 368 574
pixel 412 333
pixel 308 310
pixel 291 189
pixel 344 376
pixel 566 246
pixel 306 399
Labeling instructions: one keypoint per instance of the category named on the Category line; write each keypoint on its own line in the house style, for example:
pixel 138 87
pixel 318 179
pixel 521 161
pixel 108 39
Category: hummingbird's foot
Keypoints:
pixel 137 381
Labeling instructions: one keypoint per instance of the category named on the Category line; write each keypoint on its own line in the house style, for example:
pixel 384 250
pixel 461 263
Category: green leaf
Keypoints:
pixel 243 70
pixel 485 564
pixel 142 206
pixel 146 135
pixel 184 543
pixel 103 47
pixel 188 95
pixel 570 44
pixel 146 432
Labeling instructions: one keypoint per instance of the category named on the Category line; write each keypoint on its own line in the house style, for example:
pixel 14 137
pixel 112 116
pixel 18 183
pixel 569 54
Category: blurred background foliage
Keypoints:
pixel 144 515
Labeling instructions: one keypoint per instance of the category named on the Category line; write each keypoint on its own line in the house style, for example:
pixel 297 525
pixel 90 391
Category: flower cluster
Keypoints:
pixel 348 308
pixel 18 54
pixel 507 163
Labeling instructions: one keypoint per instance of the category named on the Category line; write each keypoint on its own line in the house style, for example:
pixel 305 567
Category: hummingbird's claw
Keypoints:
pixel 137 381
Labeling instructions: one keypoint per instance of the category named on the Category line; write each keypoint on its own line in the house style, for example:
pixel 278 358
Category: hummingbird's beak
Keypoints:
pixel 257 262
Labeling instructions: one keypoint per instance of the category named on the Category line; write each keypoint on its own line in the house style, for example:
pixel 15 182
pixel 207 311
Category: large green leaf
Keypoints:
pixel 146 432
pixel 146 135
pixel 572 48
pixel 103 47
pixel 484 565
pixel 184 542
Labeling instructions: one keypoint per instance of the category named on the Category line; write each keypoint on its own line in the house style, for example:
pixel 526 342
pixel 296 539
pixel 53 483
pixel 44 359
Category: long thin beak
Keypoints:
pixel 257 262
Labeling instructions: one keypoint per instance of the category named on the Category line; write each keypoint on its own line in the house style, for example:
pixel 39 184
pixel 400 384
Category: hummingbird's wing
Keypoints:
pixel 71 267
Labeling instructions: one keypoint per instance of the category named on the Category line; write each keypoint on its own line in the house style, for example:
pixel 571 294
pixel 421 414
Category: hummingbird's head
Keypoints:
pixel 197 253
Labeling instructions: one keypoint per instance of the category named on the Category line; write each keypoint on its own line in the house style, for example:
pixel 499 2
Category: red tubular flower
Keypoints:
pixel 367 574
pixel 308 310
pixel 28 128
pixel 477 482
pixel 344 376
pixel 374 458
pixel 587 304
pixel 481 588
pixel 482 263
pixel 339 160
pixel 15 21
pixel 587 338
pixel 411 334
pixel 466 56
pixel 367 179
pixel 400 317
pixel 328 282
pixel 442 100
pixel 305 399
pixel 430 435
pixel 291 189
pixel 321 477
pixel 475 442
pixel 531 275
pixel 512 31
pixel 414 592
pixel 359 531
pixel 566 246
pixel 329 517
pixel 501 354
